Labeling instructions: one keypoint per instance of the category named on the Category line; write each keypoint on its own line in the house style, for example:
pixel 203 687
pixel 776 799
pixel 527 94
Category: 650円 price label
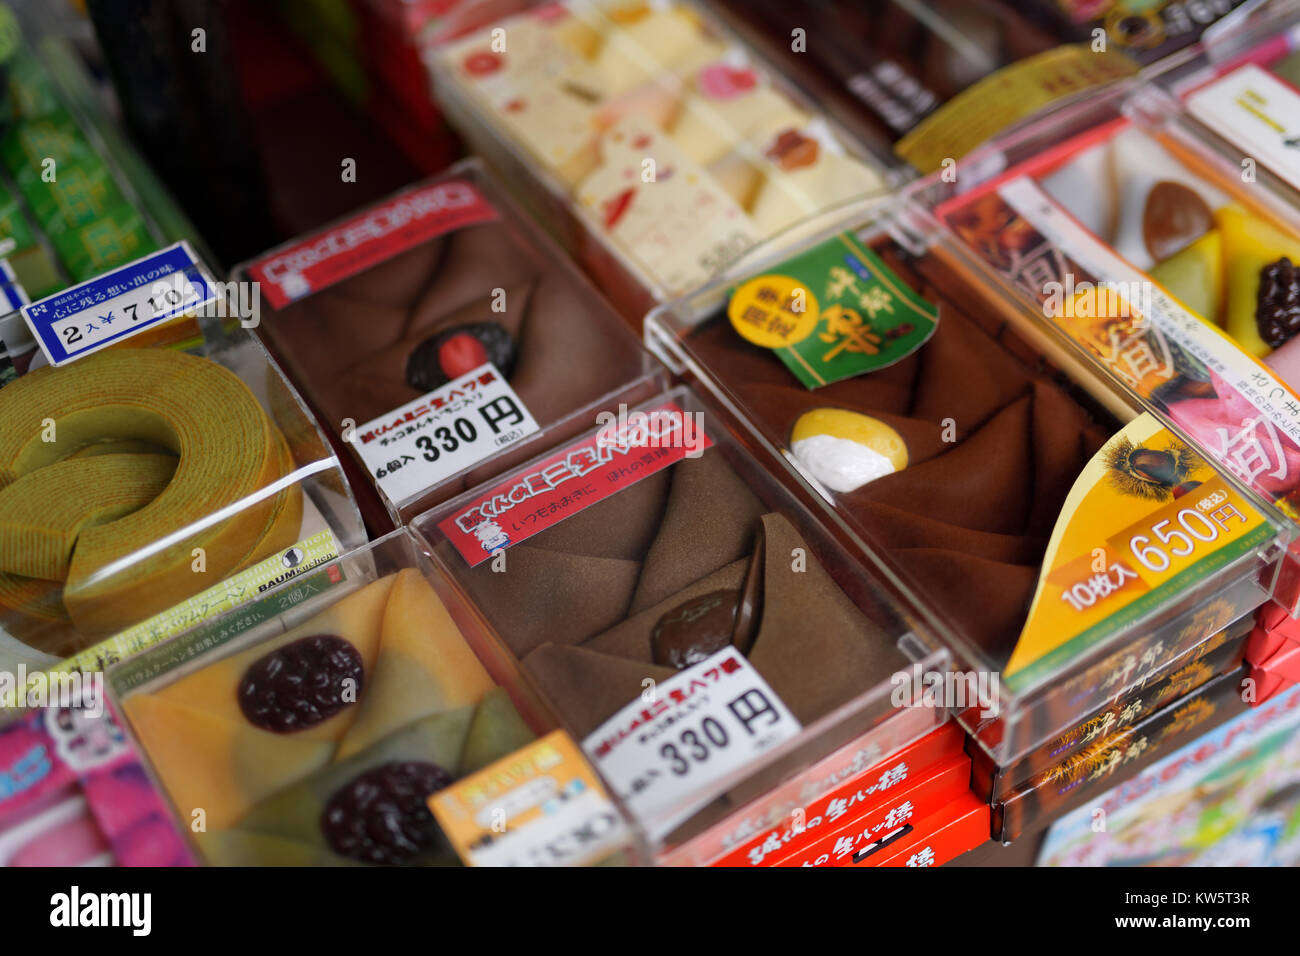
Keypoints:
pixel 454 427
pixel 663 753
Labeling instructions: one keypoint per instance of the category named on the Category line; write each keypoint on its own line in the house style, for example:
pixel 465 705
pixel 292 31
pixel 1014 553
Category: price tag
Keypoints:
pixel 540 806
pixel 454 427
pixel 1258 112
pixel 87 317
pixel 663 753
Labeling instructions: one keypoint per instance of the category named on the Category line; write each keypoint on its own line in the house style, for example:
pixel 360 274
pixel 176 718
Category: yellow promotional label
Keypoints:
pixel 540 806
pixel 774 311
pixel 1146 519
pixel 1006 97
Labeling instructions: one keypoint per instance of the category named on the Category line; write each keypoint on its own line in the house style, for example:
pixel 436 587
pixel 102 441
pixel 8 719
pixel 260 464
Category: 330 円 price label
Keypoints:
pixel 452 428
pixel 663 753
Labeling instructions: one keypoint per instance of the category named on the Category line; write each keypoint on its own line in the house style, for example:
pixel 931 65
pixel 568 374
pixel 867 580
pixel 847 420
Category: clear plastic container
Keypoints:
pixel 146 488
pixel 647 136
pixel 388 319
pixel 609 566
pixel 407 691
pixel 1116 231
pixel 1001 455
pixel 1241 96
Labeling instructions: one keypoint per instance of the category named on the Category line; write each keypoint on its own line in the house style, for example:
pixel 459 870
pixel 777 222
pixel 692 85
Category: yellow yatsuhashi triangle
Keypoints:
pixel 358 619
pixel 210 763
pixel 424 666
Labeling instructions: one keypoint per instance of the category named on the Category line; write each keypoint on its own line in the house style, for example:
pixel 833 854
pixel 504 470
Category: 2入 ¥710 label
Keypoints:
pixel 417 446
pixel 87 317
pixel 663 753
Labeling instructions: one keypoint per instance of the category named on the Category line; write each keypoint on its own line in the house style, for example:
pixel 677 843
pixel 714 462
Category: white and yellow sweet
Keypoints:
pixel 845 450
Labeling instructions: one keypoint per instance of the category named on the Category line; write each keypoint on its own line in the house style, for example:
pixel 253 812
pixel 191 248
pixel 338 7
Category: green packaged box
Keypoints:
pixel 117 238
pixel 78 194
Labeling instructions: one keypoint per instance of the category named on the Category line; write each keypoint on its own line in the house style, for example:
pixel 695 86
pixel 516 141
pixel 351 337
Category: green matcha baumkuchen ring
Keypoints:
pixel 225 446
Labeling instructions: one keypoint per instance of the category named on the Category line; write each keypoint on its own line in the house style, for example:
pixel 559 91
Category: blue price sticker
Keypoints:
pixel 12 295
pixel 87 317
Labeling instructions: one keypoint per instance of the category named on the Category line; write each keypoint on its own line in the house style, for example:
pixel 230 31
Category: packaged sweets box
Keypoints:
pixel 444 338
pixel 647 135
pixel 76 794
pixel 327 723
pixel 1216 655
pixel 1113 229
pixel 690 622
pixel 1004 499
pixel 1258 65
pixel 101 209
pixel 1227 798
pixel 146 487
pixel 1078 781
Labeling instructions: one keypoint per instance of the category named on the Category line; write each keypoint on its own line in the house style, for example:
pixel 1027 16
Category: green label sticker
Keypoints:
pixel 833 312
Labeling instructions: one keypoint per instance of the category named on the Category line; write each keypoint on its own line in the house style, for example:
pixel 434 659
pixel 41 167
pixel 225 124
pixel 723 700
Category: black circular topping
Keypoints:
pixel 383 816
pixel 1277 312
pixel 456 351
pixel 301 684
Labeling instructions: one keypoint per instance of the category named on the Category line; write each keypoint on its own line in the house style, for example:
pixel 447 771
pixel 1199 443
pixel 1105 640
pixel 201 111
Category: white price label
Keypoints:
pixel 581 829
pixel 663 753
pixel 1259 113
pixel 452 428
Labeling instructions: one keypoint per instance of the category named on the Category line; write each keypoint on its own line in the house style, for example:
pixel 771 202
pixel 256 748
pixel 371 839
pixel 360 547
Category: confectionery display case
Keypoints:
pixel 1012 502
pixel 311 727
pixel 146 484
pixel 1111 226
pixel 669 598
pixel 656 143
pixel 444 337
pixel 645 433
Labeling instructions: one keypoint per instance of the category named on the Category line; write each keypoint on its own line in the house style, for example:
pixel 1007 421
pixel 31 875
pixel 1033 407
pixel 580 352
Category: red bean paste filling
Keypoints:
pixel 301 684
pixel 382 816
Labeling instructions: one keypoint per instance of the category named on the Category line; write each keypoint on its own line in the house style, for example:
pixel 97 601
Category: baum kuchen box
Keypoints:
pixel 444 338
pixel 689 621
pixel 144 488
pixel 315 726
pixel 1033 518
pixel 648 134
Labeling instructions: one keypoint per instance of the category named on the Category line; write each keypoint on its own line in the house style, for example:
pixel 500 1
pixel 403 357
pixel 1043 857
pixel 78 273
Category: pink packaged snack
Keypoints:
pixel 73 793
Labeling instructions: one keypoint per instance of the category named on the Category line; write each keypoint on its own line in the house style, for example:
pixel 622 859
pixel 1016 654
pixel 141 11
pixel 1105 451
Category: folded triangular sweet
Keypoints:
pixel 586 687
pixel 424 666
pixel 357 618
pixel 297 813
pixel 496 731
pixel 210 763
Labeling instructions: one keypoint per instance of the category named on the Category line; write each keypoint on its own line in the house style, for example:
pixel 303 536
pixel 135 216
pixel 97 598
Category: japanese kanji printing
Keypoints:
pixel 609 432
